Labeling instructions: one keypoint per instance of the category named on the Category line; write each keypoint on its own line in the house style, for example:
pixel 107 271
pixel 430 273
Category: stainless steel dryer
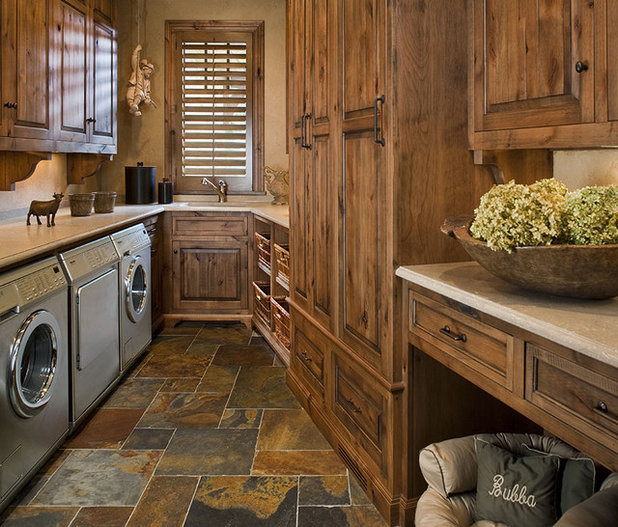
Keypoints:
pixel 34 372
pixel 133 246
pixel 92 271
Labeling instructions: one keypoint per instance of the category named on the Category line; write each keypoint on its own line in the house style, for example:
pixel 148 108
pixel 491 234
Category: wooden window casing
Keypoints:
pixel 221 64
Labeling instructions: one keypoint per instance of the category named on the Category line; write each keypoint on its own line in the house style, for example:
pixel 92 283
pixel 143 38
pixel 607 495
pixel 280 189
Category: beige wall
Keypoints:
pixel 581 168
pixel 142 138
pixel 49 177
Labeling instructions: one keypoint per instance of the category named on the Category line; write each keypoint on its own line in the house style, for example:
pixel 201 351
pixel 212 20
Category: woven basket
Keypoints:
pixel 81 204
pixel 262 242
pixel 104 201
pixel 262 301
pixel 281 317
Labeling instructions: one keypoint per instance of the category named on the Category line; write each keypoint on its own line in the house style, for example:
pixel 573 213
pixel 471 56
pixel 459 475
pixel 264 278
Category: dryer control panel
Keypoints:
pixel 89 258
pixel 41 283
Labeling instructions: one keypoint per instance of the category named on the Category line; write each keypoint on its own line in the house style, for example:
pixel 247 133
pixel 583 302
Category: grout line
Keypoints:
pixel 75 517
pixel 228 401
pixel 197 486
pixel 297 499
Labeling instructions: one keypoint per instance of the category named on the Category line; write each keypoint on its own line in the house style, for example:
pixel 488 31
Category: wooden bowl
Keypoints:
pixel 578 271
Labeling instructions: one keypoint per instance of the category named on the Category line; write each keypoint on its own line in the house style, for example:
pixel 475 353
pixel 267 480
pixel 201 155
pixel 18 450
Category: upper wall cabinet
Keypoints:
pixel 541 73
pixel 58 90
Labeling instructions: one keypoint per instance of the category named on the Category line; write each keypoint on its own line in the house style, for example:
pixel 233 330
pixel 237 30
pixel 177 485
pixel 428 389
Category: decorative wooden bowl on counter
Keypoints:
pixel 578 271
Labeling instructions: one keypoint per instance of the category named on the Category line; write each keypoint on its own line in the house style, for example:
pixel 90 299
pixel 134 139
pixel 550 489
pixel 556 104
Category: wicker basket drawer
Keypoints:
pixel 262 301
pixel 262 245
pixel 282 254
pixel 281 318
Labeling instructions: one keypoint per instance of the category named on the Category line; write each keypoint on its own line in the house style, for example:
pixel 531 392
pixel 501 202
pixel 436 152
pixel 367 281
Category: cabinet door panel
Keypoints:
pixel 525 56
pixel 210 274
pixel 362 242
pixel 26 68
pixel 324 223
pixel 71 23
pixel 298 66
pixel 104 82
pixel 362 55
pixel 321 48
pixel 612 60
pixel 300 238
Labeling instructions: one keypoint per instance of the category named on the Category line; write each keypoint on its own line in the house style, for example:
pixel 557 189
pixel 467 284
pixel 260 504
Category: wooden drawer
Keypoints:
pixel 362 408
pixel 584 397
pixel 308 358
pixel 209 224
pixel 477 345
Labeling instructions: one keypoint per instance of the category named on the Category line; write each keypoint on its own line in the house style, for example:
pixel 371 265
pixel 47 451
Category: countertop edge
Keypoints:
pixel 253 209
pixel 547 330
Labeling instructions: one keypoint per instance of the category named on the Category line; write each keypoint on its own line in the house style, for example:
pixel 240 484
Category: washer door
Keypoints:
pixel 136 292
pixel 33 361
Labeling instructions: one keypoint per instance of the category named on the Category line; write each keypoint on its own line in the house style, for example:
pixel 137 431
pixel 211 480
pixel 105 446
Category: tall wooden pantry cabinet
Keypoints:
pixel 378 158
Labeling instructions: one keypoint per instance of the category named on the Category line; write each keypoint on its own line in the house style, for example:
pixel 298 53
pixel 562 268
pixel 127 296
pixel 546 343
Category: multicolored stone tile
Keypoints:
pixel 262 387
pixel 357 494
pixel 99 478
pixel 298 462
pixel 290 430
pixel 209 452
pixel 241 418
pixel 180 385
pixel 133 393
pixel 148 439
pixel 164 365
pixel 218 379
pixel 243 355
pixel 184 410
pixel 106 428
pixel 165 501
pixel 340 516
pixel 202 347
pixel 102 517
pixel 323 490
pixel 38 516
pixel 236 333
pixel 170 345
pixel 187 327
pixel 245 501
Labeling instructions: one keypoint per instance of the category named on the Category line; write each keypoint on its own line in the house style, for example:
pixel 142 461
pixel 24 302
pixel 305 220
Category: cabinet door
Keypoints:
pixel 612 59
pixel 210 274
pixel 26 69
pixel 103 112
pixel 105 9
pixel 71 27
pixel 533 63
pixel 363 237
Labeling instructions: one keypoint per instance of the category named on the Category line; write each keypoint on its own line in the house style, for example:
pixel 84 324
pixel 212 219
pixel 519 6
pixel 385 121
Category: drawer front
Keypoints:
pixel 579 396
pixel 484 348
pixel 361 408
pixel 206 224
pixel 308 359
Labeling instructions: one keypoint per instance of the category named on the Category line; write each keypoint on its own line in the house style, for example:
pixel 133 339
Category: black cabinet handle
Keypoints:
pixel 303 136
pixel 602 407
pixel 376 139
pixel 580 66
pixel 302 131
pixel 91 120
pixel 306 357
pixel 355 409
pixel 446 330
pixel 12 105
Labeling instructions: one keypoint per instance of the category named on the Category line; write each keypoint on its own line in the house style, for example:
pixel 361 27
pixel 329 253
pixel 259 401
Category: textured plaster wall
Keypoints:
pixel 142 138
pixel 583 168
pixel 49 177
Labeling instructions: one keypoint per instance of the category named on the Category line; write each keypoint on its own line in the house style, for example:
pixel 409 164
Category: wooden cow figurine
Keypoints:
pixel 47 208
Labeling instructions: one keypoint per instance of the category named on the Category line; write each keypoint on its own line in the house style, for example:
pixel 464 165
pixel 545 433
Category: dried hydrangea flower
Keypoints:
pixel 514 215
pixel 591 216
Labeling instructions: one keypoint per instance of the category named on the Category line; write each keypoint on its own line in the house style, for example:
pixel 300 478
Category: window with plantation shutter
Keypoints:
pixel 215 118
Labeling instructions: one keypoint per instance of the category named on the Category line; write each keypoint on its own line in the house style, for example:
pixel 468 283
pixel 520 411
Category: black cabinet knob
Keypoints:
pixel 10 105
pixel 602 407
pixel 580 66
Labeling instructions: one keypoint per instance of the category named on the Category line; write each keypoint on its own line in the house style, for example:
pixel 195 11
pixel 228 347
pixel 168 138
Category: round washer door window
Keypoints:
pixel 33 362
pixel 136 289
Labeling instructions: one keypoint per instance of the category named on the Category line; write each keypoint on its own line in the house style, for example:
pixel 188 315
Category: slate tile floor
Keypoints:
pixel 202 432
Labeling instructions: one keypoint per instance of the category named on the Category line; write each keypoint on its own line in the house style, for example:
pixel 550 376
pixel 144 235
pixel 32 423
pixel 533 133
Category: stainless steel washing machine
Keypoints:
pixel 92 272
pixel 34 373
pixel 133 246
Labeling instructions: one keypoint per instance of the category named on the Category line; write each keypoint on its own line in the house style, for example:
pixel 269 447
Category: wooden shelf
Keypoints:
pixel 272 340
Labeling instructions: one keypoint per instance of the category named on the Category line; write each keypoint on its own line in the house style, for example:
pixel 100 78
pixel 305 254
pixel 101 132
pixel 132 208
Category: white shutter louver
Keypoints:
pixel 215 104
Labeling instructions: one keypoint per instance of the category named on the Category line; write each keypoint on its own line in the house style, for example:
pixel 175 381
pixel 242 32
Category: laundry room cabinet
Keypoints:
pixel 543 74
pixel 208 255
pixel 379 157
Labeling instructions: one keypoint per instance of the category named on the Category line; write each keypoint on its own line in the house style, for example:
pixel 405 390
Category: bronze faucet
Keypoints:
pixel 220 189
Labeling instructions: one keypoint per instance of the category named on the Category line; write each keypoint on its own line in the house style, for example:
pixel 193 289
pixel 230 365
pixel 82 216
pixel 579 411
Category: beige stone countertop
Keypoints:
pixel 587 326
pixel 19 242
pixel 279 214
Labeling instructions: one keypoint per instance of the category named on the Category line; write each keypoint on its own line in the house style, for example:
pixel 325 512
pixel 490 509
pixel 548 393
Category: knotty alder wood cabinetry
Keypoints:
pixel 58 90
pixel 563 392
pixel 379 157
pixel 154 227
pixel 207 254
pixel 543 74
